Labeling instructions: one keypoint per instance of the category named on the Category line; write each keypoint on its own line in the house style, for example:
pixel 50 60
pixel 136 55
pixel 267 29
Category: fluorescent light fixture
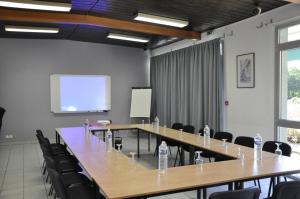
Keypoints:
pixel 161 20
pixel 31 29
pixel 36 5
pixel 127 37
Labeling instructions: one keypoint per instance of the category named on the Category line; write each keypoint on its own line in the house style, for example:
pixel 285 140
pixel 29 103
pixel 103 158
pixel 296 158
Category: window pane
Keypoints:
pixel 290 85
pixel 288 34
pixel 292 137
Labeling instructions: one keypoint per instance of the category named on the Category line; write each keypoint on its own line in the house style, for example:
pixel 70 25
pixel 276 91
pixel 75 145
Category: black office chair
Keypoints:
pixel 244 141
pixel 184 147
pixel 2 111
pixel 218 136
pixel 170 142
pixel 75 191
pixel 287 190
pixel 270 146
pixel 211 132
pixel 250 193
pixel 223 135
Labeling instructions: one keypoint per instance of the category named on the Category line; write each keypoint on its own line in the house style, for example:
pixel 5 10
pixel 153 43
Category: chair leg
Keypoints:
pixel 51 190
pixel 209 159
pixel 258 182
pixel 176 156
pixel 44 163
pixel 47 177
pixel 170 151
pixel 270 186
pixel 44 171
pixel 155 152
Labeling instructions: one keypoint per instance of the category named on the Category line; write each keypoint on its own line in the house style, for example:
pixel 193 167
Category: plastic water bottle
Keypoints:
pixel 156 122
pixel 108 140
pixel 86 126
pixel 258 147
pixel 163 157
pixel 207 134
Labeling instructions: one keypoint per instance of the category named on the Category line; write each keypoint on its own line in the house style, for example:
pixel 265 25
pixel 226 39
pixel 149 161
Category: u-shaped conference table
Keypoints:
pixel 118 177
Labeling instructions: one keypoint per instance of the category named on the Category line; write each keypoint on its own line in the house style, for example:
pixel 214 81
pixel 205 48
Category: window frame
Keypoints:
pixel 278 122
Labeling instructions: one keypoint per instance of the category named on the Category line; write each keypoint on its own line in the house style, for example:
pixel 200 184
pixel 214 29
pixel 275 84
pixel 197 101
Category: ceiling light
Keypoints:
pixel 127 37
pixel 36 5
pixel 31 29
pixel 161 20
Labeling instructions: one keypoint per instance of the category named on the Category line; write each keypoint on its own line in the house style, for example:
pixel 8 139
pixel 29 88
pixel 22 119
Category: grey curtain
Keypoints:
pixel 188 85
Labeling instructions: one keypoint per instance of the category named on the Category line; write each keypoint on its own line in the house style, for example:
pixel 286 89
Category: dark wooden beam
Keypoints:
pixel 67 18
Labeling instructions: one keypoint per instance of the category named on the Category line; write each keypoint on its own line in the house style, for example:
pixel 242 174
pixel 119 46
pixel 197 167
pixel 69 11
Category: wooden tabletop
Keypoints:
pixel 118 177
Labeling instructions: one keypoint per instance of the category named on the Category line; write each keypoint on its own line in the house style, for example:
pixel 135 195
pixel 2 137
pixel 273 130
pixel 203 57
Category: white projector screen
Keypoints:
pixel 80 93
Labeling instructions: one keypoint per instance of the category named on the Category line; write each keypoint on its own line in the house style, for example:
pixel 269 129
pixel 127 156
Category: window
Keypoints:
pixel 287 78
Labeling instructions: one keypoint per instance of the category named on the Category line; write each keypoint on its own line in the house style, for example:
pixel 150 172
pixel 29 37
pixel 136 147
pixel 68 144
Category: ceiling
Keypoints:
pixel 203 15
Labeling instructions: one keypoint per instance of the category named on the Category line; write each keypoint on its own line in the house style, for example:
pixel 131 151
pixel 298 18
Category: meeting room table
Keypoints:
pixel 118 176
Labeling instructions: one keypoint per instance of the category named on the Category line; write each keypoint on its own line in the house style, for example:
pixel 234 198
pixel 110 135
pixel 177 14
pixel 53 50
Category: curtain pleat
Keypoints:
pixel 187 86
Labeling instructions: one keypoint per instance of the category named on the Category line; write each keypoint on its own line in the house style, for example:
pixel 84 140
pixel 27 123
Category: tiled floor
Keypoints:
pixel 21 177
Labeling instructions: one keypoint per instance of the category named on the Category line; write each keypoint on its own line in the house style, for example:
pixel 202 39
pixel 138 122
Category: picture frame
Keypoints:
pixel 245 70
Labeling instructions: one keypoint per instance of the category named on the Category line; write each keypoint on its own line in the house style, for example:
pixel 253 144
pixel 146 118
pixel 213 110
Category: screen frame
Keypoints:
pixel 55 94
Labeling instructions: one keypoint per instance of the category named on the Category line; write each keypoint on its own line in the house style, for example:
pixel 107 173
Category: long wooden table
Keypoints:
pixel 118 177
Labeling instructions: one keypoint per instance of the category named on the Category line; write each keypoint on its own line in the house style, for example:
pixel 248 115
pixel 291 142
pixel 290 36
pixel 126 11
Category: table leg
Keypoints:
pixel 56 140
pixel 230 186
pixel 204 193
pixel 182 157
pixel 113 138
pixel 198 193
pixel 149 138
pixel 103 136
pixel 138 143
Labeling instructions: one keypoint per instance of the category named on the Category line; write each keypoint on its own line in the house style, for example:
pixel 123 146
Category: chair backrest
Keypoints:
pixel 189 129
pixel 223 135
pixel 57 183
pixel 177 126
pixel 50 162
pixel 2 111
pixel 250 193
pixel 244 141
pixel 211 132
pixel 287 190
pixel 270 146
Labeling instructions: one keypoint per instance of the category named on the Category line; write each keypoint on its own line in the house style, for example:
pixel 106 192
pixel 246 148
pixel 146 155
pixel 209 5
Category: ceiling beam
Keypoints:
pixel 67 18
pixel 293 1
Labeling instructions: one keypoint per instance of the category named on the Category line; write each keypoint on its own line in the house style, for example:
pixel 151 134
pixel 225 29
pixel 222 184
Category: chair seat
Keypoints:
pixel 66 167
pixel 69 179
pixel 57 146
pixel 170 142
pixel 65 158
pixel 80 192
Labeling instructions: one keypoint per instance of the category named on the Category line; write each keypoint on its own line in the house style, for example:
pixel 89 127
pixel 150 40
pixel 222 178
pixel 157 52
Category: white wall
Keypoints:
pixel 25 69
pixel 250 110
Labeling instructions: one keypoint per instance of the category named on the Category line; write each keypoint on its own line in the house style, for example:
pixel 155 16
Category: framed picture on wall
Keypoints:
pixel 245 70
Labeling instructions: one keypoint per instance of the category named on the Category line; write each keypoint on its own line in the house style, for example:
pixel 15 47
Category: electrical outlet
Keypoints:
pixel 9 136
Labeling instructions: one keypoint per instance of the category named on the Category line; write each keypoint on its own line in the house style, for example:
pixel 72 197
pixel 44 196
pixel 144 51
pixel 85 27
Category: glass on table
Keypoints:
pixel 224 142
pixel 198 159
pixel 132 156
pixel 119 147
pixel 278 151
pixel 242 159
pixel 239 154
pixel 143 123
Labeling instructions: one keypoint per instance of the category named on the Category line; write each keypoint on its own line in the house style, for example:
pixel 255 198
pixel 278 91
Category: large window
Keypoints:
pixel 288 83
